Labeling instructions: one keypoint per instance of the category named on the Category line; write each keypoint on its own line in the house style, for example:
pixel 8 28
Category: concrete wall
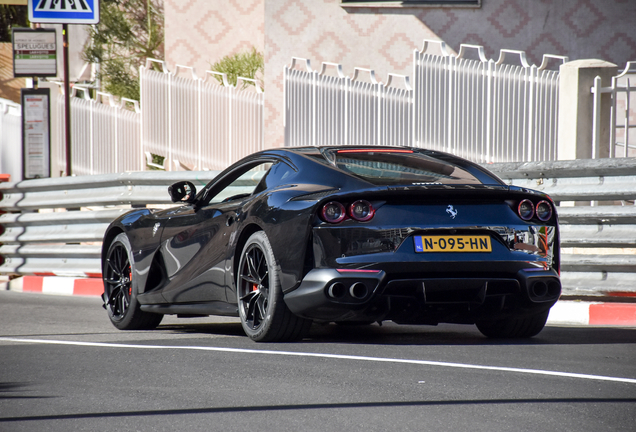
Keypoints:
pixel 576 109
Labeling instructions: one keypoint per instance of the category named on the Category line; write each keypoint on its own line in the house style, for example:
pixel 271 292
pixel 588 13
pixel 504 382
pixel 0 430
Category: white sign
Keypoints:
pixel 35 133
pixel 64 11
pixel 34 53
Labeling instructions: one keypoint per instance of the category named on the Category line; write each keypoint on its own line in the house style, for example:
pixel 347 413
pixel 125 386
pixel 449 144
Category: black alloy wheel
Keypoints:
pixel 120 291
pixel 264 314
pixel 255 290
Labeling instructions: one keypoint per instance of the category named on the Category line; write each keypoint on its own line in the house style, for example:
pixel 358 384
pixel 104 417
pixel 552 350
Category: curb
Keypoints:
pixel 58 285
pixel 565 312
pixel 593 313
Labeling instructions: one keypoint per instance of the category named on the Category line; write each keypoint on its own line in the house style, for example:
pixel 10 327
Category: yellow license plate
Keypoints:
pixel 452 243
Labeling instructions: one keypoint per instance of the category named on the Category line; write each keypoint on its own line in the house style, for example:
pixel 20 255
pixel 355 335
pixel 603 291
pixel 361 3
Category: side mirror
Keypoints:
pixel 183 192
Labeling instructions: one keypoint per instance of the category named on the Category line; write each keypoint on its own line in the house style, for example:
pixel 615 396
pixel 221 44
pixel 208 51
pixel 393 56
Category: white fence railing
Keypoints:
pixel 104 134
pixel 327 107
pixel 194 124
pixel 622 141
pixel 199 124
pixel 485 110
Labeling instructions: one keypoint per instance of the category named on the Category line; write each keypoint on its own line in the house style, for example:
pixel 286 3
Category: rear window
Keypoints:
pixel 393 167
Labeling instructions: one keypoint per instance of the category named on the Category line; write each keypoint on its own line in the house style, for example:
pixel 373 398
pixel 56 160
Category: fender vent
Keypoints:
pixel 315 196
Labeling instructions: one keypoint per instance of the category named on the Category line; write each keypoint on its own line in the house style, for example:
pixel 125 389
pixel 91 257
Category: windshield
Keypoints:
pixel 392 167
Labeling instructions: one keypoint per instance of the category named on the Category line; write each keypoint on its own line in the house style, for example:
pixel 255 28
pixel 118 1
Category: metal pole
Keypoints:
pixel 67 100
pixel 596 118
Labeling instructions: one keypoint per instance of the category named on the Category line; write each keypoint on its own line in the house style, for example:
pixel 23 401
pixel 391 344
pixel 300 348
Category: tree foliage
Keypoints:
pixel 12 16
pixel 248 64
pixel 129 32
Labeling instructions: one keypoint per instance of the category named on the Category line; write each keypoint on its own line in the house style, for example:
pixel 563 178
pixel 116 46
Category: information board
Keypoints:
pixel 36 133
pixel 34 52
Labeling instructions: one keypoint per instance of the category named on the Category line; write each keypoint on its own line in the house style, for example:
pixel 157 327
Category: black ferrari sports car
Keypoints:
pixel 349 234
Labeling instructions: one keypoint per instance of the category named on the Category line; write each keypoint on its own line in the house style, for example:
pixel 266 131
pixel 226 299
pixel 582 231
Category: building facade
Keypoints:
pixel 381 35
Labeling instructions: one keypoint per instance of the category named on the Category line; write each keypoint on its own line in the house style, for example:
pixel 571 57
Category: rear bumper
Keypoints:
pixel 375 295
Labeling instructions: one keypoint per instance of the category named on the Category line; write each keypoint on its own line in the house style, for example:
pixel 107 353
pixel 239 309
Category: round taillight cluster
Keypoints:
pixel 527 210
pixel 335 212
pixel 544 211
pixel 361 210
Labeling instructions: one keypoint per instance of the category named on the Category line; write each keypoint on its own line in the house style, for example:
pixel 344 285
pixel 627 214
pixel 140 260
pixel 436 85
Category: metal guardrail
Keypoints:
pixel 598 241
pixel 55 226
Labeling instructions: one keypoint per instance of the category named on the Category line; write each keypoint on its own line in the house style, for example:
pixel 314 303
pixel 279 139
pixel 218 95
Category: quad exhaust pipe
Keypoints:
pixel 544 289
pixel 337 290
pixel 539 289
pixel 357 290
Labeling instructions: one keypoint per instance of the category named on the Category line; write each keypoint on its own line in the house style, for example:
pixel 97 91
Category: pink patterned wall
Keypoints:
pixel 199 32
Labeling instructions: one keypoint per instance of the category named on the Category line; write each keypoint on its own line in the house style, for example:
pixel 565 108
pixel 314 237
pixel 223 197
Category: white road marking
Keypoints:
pixel 330 356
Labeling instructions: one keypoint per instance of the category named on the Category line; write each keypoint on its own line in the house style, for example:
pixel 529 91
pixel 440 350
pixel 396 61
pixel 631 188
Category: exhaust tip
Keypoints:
pixel 539 289
pixel 358 290
pixel 554 288
pixel 336 290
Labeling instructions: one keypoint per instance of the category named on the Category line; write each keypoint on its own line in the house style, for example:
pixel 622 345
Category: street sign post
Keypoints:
pixel 65 12
pixel 34 52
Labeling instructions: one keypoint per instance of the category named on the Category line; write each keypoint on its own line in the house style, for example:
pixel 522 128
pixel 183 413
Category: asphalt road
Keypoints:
pixel 64 367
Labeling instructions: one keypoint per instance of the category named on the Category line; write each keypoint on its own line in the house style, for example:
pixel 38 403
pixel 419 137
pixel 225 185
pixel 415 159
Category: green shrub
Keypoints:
pixel 250 64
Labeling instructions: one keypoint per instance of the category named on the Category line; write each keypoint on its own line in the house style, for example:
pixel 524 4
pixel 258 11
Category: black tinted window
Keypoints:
pixel 390 167
pixel 239 183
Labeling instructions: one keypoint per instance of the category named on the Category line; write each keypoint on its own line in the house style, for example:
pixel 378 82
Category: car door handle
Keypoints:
pixel 229 221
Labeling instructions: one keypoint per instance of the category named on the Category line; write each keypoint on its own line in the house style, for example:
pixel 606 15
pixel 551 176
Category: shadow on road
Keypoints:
pixel 362 405
pixel 444 334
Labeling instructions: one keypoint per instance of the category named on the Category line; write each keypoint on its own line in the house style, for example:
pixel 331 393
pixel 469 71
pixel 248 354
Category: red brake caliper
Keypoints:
pixel 254 287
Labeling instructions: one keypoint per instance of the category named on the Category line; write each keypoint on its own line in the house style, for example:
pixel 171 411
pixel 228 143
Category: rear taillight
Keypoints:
pixel 525 209
pixel 544 211
pixel 361 210
pixel 333 212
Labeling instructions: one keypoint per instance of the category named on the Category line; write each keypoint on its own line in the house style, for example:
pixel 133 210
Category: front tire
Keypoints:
pixel 517 328
pixel 120 289
pixel 264 315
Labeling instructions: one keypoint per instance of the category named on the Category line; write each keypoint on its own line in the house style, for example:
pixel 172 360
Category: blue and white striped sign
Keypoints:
pixel 64 11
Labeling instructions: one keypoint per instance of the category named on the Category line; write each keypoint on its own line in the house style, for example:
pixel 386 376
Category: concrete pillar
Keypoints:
pixel 576 103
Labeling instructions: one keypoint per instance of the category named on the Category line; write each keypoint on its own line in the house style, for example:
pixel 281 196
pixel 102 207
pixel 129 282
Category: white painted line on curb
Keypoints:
pixel 330 356
pixel 571 313
pixel 58 285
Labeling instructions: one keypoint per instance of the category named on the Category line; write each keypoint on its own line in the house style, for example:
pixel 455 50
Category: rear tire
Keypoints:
pixel 264 315
pixel 120 289
pixel 517 328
